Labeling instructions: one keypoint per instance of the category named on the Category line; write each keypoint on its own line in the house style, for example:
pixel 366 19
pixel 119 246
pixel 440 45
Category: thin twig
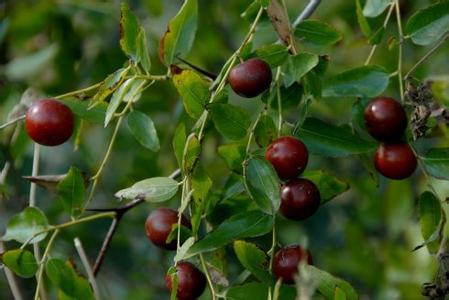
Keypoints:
pixel 401 39
pixel 87 267
pixel 13 121
pixel 307 12
pixel 426 56
pixel 39 276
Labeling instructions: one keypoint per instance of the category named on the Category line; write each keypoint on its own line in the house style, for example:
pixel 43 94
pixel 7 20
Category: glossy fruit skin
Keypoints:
pixel 385 119
pixel 159 225
pixel 191 281
pixel 49 122
pixel 286 261
pixel 250 78
pixel 288 155
pixel 395 161
pixel 300 198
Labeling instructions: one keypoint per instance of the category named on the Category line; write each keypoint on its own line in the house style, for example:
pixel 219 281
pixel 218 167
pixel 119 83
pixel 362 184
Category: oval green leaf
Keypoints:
pixel 297 66
pixel 231 121
pixel 143 130
pixel 21 262
pixel 71 192
pixel 430 217
pixel 23 226
pixel 436 163
pixel 317 34
pixel 373 8
pixel 157 189
pixel 253 259
pixel 328 185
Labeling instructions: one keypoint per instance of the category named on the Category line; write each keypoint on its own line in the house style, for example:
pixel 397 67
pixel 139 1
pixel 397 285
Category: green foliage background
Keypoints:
pixel 364 236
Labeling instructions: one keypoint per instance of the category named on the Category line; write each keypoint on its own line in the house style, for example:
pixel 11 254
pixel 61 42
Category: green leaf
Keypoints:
pixel 109 85
pixel 192 154
pixel 24 225
pixel 339 294
pixel 363 23
pixel 329 186
pixel 436 163
pixel 64 277
pixel 201 183
pixel 367 81
pixel 257 290
pixel 233 155
pixel 374 8
pixel 330 140
pixel 143 54
pixel 129 30
pixel 178 39
pixel 317 34
pixel 240 226
pixel 71 192
pixel 24 67
pixel 429 25
pixel 430 212
pixel 231 121
pixel 262 184
pixel 327 283
pixel 253 259
pixel 265 131
pixel 273 54
pixel 95 114
pixel 179 141
pixel 377 36
pixel 127 92
pixel 194 91
pixel 297 66
pixel 142 128
pixel 156 189
pixel 21 262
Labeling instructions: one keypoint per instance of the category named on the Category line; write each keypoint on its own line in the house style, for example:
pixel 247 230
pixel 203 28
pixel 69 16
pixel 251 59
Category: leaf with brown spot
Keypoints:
pixel 280 21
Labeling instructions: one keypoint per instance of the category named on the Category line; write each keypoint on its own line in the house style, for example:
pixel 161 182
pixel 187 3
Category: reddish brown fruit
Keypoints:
pixel 385 119
pixel 49 122
pixel 288 155
pixel 159 224
pixel 395 161
pixel 250 78
pixel 286 262
pixel 191 281
pixel 300 198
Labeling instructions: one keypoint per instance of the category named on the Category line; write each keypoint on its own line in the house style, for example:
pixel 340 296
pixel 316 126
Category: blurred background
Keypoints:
pixel 365 235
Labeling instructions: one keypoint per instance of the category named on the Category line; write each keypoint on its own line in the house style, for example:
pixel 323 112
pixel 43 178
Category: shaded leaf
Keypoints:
pixel 436 163
pixel 329 186
pixel 21 262
pixel 273 54
pixel 314 33
pixel 231 121
pixel 430 212
pixel 71 192
pixel 253 259
pixel 373 8
pixel 265 131
pixel 142 128
pixel 328 283
pixel 297 66
pixel 233 155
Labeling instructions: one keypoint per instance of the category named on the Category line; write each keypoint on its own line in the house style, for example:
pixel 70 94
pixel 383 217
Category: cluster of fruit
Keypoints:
pixel 386 121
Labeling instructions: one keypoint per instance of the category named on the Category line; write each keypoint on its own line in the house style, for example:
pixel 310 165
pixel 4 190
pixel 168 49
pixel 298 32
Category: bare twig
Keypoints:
pixel 307 12
pixel 13 121
pixel 87 267
pixel 120 211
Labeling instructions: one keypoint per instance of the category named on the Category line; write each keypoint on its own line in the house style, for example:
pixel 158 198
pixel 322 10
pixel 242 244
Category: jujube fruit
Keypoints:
pixel 286 262
pixel 385 119
pixel 395 161
pixel 288 155
pixel 159 224
pixel 191 281
pixel 300 198
pixel 250 78
pixel 49 122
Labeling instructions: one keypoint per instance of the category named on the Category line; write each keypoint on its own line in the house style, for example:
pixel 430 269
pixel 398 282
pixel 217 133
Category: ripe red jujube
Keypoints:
pixel 250 78
pixel 159 224
pixel 395 161
pixel 288 155
pixel 191 281
pixel 300 198
pixel 385 119
pixel 49 122
pixel 286 262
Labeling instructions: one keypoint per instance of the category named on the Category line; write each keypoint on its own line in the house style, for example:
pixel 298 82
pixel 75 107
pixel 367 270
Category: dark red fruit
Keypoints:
pixel 250 78
pixel 300 198
pixel 191 281
pixel 49 122
pixel 288 155
pixel 385 119
pixel 395 161
pixel 159 225
pixel 286 262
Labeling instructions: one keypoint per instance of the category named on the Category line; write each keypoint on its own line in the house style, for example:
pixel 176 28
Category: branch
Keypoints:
pixel 307 12
pixel 120 212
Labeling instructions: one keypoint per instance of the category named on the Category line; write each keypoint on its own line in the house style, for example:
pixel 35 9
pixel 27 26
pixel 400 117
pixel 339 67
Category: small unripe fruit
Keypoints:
pixel 159 224
pixel 288 155
pixel 300 198
pixel 395 161
pixel 286 262
pixel 49 122
pixel 191 281
pixel 250 78
pixel 385 119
